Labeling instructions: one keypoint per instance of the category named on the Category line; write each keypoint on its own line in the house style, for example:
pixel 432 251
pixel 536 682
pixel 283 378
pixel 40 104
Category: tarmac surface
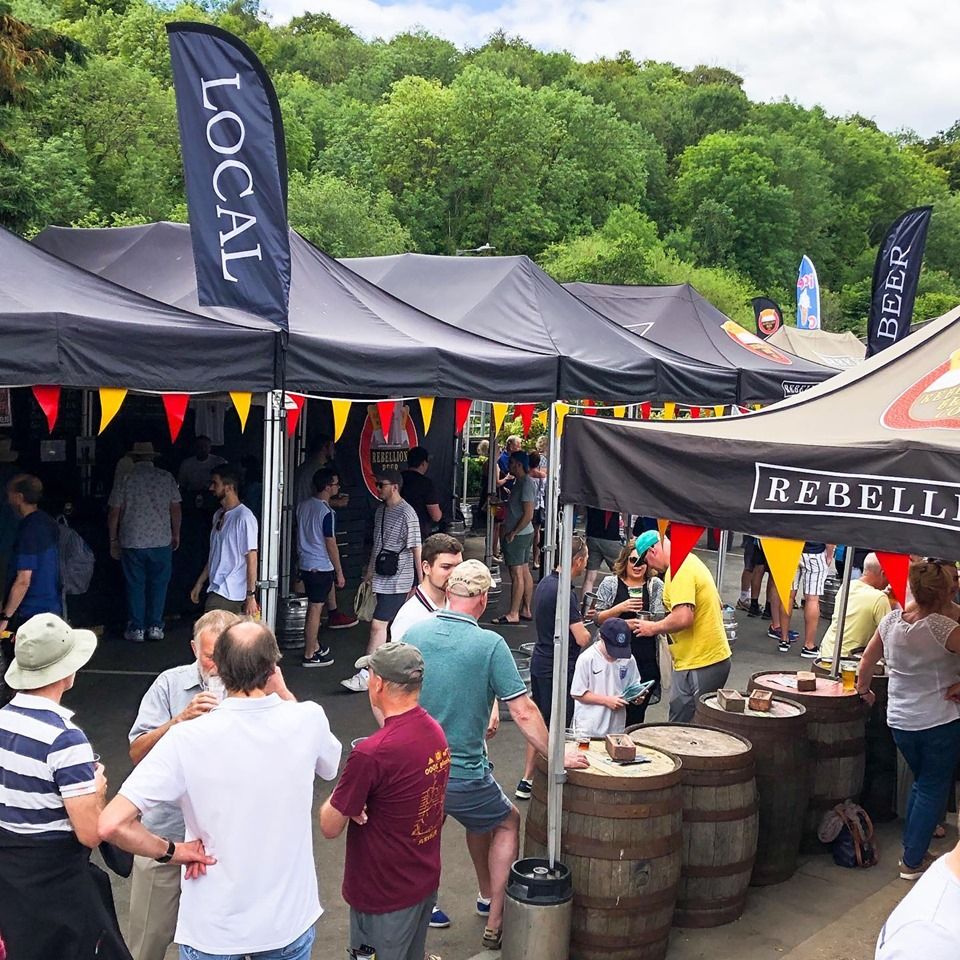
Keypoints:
pixel 823 912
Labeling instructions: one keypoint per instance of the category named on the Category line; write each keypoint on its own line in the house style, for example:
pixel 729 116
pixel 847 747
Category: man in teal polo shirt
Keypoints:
pixel 465 669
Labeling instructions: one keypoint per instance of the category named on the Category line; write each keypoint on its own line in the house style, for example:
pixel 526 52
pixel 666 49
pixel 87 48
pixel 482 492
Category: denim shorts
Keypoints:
pixel 298 949
pixel 478 805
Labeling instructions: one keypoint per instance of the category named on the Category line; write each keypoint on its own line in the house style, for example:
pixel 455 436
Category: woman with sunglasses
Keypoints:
pixel 632 589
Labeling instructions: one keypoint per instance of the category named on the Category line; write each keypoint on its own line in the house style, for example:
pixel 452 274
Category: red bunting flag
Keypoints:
pixel 461 412
pixel 294 404
pixel 695 413
pixel 525 412
pixel 49 400
pixel 683 538
pixel 175 405
pixel 385 409
pixel 896 567
pixel 644 411
pixel 589 408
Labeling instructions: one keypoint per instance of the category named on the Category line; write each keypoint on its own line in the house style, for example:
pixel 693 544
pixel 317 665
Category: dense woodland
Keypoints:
pixel 612 171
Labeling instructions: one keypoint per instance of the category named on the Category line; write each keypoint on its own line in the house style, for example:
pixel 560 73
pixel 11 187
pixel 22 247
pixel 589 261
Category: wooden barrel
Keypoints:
pixel 622 836
pixel 835 735
pixel 780 753
pixel 719 819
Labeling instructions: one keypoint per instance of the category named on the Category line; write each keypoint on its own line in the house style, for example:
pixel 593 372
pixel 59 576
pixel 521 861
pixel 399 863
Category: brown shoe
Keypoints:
pixel 915 873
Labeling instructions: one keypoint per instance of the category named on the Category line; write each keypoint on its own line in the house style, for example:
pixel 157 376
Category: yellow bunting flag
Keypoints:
pixel 111 399
pixel 543 416
pixel 241 403
pixel 562 410
pixel 669 411
pixel 757 406
pixel 662 527
pixel 341 410
pixel 426 412
pixel 783 558
pixel 718 410
pixel 499 414
pixel 620 411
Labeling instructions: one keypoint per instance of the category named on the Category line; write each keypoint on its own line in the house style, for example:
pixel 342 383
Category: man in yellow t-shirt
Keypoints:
pixel 701 654
pixel 867 605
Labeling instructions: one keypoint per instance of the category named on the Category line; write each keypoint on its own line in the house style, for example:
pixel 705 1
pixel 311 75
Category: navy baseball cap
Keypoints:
pixel 616 634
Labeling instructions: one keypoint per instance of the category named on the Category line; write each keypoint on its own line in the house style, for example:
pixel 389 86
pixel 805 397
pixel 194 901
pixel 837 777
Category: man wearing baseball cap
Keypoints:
pixel 390 798
pixel 51 794
pixel 465 668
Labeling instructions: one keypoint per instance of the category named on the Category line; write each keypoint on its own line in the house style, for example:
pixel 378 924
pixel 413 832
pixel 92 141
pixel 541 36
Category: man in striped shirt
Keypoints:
pixel 51 794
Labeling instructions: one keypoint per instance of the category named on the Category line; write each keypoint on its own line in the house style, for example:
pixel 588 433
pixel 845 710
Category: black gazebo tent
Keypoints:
pixel 678 318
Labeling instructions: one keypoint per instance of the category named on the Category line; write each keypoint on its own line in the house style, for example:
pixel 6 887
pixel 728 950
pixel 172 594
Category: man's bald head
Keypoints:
pixel 246 656
pixel 873 574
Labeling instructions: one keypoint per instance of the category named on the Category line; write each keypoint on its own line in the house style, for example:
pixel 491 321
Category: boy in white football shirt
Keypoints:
pixel 604 670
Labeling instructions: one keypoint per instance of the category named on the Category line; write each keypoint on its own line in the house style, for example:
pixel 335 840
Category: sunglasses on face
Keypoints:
pixel 638 561
pixel 384 483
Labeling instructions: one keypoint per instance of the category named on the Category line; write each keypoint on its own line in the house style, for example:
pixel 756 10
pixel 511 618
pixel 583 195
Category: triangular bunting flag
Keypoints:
pixel 175 405
pixel 741 410
pixel 757 406
pixel 695 413
pixel 669 411
pixel 589 408
pixel 718 410
pixel 499 414
pixel 783 558
pixel 241 403
pixel 385 410
pixel 645 411
pixel 525 412
pixel 294 404
pixel 426 413
pixel 620 411
pixel 111 399
pixel 461 412
pixel 341 410
pixel 662 527
pixel 896 567
pixel 49 400
pixel 562 410
pixel 544 417
pixel 683 538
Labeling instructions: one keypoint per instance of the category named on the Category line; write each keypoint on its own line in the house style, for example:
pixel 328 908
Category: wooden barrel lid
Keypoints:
pixel 779 708
pixel 786 682
pixel 663 770
pixel 699 748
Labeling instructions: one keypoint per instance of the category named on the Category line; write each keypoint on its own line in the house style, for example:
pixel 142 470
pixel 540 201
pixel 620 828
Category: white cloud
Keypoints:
pixel 891 61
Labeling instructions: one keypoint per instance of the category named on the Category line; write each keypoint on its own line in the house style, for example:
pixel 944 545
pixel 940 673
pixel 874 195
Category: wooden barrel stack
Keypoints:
pixel 835 735
pixel 780 752
pixel 622 840
pixel 719 819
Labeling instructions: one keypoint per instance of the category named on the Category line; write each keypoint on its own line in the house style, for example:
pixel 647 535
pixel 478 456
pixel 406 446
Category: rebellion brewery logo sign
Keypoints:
pixel 749 341
pixel 784 489
pixel 932 403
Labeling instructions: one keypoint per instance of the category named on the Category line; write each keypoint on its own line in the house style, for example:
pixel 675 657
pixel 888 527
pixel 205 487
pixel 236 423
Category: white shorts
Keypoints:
pixel 812 574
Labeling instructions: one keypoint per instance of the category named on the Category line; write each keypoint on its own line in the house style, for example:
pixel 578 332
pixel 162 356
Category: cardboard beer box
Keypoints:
pixel 761 700
pixel 620 746
pixel 806 681
pixel 731 700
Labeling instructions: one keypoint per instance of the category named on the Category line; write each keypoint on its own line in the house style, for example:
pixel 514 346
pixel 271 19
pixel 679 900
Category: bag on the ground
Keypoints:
pixel 849 831
pixel 76 560
pixel 365 602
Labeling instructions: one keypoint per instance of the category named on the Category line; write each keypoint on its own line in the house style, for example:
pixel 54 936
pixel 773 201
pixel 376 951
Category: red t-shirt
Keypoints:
pixel 400 774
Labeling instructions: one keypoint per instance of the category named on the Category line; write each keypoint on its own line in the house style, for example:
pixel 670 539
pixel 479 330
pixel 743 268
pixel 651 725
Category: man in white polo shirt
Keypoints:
pixel 245 802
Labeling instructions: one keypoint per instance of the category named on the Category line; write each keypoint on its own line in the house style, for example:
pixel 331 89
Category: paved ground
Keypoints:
pixel 823 913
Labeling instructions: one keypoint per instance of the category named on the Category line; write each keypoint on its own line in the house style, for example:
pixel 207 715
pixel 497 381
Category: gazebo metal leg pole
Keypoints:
pixel 273 483
pixel 841 613
pixel 556 776
pixel 465 451
pixel 721 559
pixel 493 493
pixel 548 561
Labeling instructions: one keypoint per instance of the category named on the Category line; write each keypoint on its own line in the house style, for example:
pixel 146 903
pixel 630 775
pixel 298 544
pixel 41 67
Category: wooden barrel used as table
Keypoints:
pixel 835 735
pixel 719 819
pixel 780 752
pixel 622 840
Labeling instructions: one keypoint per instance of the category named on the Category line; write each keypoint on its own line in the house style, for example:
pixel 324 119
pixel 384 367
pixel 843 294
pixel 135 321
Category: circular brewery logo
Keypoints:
pixel 751 342
pixel 769 321
pixel 932 403
pixel 379 452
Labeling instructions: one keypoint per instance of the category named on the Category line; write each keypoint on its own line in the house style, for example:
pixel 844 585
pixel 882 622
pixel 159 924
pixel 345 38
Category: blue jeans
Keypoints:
pixel 147 573
pixel 298 950
pixel 932 755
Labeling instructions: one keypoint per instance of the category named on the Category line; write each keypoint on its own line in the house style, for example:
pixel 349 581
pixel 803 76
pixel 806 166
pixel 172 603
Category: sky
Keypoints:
pixel 894 62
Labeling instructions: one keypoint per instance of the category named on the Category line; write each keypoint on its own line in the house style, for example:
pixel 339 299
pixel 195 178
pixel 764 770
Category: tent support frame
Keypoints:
pixel 274 441
pixel 841 613
pixel 549 559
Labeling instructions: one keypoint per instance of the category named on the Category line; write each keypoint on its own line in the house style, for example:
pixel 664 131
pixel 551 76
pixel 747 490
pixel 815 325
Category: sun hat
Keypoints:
pixel 47 650
pixel 397 662
pixel 143 449
pixel 469 579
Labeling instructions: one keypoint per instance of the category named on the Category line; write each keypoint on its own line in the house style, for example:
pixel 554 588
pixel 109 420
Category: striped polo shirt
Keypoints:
pixel 44 759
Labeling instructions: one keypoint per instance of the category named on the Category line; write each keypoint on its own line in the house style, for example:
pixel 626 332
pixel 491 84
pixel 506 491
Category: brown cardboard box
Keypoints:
pixel 620 746
pixel 731 700
pixel 761 700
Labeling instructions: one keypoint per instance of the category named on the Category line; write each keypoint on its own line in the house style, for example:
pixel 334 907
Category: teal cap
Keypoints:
pixel 645 541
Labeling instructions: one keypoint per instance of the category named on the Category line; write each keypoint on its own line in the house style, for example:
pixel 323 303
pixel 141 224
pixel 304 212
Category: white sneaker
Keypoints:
pixel 358 683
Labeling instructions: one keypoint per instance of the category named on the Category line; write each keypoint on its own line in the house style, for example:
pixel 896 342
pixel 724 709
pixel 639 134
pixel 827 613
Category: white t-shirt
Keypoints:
pixel 251 805
pixel 418 607
pixel 594 672
pixel 926 923
pixel 232 536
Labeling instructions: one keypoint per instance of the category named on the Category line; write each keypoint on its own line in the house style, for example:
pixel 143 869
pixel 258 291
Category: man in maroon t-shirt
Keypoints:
pixel 392 789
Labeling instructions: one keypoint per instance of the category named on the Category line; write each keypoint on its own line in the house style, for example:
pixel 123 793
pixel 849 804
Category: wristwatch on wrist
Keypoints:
pixel 168 856
pixel 251 593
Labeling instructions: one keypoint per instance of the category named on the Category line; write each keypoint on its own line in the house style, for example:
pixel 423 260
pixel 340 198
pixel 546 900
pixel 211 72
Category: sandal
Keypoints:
pixel 526 619
pixel 503 621
pixel 492 938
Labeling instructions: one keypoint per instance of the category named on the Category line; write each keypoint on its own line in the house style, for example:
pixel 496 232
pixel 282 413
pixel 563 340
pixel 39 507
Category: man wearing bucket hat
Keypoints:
pixel 699 647
pixel 51 794
pixel 144 524
pixel 390 798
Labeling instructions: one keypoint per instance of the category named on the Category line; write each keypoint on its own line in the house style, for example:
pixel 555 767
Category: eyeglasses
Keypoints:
pixel 384 483
pixel 638 561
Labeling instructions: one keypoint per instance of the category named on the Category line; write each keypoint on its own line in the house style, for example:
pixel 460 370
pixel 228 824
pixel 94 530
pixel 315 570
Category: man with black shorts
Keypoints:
pixel 320 566
pixel 541 664
pixel 604 543
pixel 754 567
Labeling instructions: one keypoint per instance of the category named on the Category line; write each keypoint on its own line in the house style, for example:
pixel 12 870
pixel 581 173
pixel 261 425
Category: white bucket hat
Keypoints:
pixel 47 650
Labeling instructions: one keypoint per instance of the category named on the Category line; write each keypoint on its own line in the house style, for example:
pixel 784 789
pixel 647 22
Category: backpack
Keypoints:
pixel 76 560
pixel 849 831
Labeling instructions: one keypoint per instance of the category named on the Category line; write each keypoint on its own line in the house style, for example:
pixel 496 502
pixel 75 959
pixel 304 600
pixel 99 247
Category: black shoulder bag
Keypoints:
pixel 387 562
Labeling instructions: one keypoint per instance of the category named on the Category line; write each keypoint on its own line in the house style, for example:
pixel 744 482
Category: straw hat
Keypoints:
pixel 48 650
pixel 7 453
pixel 143 449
